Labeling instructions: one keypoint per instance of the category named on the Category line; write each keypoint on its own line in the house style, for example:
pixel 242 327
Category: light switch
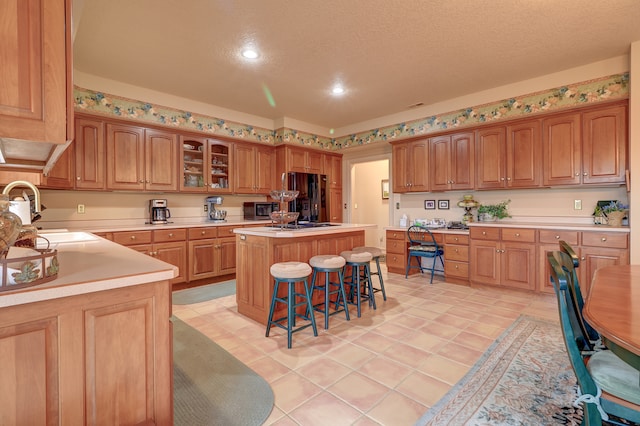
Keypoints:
pixel 577 204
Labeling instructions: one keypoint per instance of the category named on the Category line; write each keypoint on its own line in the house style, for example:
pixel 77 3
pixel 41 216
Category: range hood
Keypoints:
pixel 30 155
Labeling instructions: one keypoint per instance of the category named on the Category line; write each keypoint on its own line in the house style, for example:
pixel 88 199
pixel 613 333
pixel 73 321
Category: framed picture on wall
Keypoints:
pixel 443 204
pixel 429 204
pixel 385 189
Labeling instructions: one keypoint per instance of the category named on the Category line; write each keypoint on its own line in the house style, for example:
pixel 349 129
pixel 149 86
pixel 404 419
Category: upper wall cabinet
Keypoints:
pixel 255 169
pixel 35 70
pixel 411 166
pixel 586 147
pixel 294 159
pixel 509 156
pixel 141 159
pixel 206 165
pixel 333 169
pixel 451 163
pixel 90 155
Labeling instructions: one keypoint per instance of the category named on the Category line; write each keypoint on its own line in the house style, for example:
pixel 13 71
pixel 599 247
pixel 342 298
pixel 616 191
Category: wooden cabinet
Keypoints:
pixel 586 147
pixel 61 175
pixel 549 240
pixel 141 159
pixel 410 171
pixel 254 169
pixel 451 162
pixel 509 156
pixel 89 153
pixel 36 100
pixel 212 252
pixel 335 205
pixel 98 358
pixel 333 170
pixel 206 165
pixel 503 257
pixel 302 160
pixel 456 258
pixel 396 256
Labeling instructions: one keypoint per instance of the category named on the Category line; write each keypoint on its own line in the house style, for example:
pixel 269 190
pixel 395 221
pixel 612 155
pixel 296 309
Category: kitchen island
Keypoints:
pixel 260 247
pixel 92 346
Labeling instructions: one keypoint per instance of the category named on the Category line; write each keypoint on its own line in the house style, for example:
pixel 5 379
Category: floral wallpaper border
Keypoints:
pixel 601 89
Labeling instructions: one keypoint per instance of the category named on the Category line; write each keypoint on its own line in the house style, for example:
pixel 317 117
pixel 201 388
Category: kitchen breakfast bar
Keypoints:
pixel 259 248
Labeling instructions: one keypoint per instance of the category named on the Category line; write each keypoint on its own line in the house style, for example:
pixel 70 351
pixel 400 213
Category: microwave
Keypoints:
pixel 259 210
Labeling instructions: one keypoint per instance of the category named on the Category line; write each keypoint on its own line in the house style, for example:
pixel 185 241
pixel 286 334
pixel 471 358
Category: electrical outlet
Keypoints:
pixel 577 204
pixel 206 208
pixel 80 208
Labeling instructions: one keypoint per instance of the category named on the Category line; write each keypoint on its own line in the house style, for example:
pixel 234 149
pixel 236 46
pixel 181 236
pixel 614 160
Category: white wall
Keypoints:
pixel 367 205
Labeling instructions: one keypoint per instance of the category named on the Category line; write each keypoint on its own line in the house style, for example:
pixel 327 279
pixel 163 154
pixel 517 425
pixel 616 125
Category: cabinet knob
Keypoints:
pixel 77 177
pixel 557 237
pixel 603 239
pixel 456 250
pixel 141 181
pixel 456 239
pixel 517 234
pixel 585 174
pixel 577 173
pixel 502 178
pixel 171 235
pixel 508 178
pixel 203 232
pixel 484 232
pixel 456 266
pixel 133 237
pixel 497 250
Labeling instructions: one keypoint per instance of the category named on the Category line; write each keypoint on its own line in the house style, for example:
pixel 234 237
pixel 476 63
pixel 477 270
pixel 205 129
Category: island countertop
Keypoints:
pixel 88 264
pixel 276 232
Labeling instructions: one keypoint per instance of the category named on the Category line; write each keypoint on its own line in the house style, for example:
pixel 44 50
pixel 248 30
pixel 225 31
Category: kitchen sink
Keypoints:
pixel 65 237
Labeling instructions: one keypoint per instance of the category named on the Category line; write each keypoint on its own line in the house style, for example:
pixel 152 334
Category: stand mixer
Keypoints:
pixel 216 215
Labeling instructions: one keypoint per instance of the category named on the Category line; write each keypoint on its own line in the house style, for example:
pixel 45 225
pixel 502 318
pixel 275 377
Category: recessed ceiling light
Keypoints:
pixel 337 90
pixel 250 54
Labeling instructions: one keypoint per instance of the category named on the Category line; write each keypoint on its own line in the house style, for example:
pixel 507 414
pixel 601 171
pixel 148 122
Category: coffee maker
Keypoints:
pixel 158 212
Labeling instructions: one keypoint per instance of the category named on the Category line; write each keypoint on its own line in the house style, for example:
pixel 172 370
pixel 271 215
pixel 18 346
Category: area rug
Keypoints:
pixel 524 378
pixel 204 292
pixel 211 386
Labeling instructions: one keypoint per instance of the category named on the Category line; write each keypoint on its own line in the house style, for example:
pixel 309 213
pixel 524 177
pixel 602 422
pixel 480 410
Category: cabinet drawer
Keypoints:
pixel 456 269
pixel 492 234
pixel 201 233
pixel 395 246
pixel 457 253
pixel 227 231
pixel 168 235
pixel 605 239
pixel 132 237
pixel 396 235
pixel 519 234
pixel 397 261
pixel 550 236
pixel 456 239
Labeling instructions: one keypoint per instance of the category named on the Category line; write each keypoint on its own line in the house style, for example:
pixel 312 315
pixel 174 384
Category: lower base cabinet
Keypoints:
pixel 99 358
pixel 212 252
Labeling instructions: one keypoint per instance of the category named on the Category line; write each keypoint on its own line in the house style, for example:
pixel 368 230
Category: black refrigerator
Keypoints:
pixel 312 200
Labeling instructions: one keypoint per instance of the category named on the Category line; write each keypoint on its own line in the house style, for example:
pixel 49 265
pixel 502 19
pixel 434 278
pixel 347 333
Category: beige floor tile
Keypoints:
pixel 351 355
pixel 276 414
pixel 268 368
pixel 366 421
pixel 406 354
pixel 424 341
pixel 374 341
pixel 385 370
pixel 485 330
pixel 359 391
pixel 397 410
pixel 459 353
pixel 324 372
pixel 424 389
pixel 325 409
pixel 292 390
pixel 452 321
pixel 443 369
pixel 443 331
pixel 473 341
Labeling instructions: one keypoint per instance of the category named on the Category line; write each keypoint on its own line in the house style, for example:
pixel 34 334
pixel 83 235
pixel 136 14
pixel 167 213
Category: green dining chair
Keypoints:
pixel 605 381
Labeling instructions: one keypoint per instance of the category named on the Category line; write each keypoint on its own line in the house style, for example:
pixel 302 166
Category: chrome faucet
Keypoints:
pixel 36 192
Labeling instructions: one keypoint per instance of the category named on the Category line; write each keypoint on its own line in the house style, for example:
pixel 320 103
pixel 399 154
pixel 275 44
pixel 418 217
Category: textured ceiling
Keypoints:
pixel 389 54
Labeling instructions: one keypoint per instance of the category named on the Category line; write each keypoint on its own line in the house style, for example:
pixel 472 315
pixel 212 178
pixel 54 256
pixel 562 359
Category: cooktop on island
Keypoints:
pixel 303 225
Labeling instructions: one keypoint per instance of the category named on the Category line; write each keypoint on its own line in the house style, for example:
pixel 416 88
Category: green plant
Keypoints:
pixel 498 211
pixel 614 206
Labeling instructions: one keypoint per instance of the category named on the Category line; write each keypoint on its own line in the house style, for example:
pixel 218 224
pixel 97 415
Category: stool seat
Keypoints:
pixel 327 261
pixel 290 270
pixel 377 254
pixel 375 251
pixel 356 257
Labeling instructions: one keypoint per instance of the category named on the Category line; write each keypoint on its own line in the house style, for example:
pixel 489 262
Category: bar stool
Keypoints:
pixel 327 264
pixel 359 263
pixel 376 253
pixel 291 273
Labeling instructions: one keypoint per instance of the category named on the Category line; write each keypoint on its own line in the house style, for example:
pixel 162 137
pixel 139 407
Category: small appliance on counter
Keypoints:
pixel 214 214
pixel 159 214
pixel 259 210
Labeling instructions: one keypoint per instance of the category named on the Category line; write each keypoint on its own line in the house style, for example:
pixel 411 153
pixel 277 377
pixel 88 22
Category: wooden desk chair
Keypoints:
pixel 605 381
pixel 423 245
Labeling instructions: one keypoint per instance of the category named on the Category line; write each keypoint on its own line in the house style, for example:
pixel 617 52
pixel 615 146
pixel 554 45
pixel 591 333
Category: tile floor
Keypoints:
pixel 386 367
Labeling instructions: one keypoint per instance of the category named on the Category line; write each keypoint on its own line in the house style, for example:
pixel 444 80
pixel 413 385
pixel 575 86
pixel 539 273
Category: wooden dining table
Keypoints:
pixel 612 308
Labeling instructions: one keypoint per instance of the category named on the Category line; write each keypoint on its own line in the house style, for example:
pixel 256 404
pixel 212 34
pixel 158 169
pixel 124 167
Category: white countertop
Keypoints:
pixel 536 225
pixel 92 265
pixel 304 232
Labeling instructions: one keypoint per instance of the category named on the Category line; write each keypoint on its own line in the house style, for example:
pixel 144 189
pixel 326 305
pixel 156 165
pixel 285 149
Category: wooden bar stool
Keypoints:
pixel 291 273
pixel 359 263
pixel 327 264
pixel 376 253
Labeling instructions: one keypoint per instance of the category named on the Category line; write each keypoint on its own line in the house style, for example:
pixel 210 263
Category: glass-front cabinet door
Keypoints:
pixel 206 165
pixel 220 161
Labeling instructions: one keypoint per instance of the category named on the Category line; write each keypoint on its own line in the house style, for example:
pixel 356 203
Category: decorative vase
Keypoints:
pixel 10 225
pixel 615 218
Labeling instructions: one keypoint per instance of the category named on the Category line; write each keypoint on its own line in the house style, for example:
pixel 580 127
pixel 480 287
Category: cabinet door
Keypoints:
pixel 226 261
pixel 604 144
pixel 244 169
pixel 518 265
pixel 490 158
pixel 419 166
pixel 400 161
pixel 125 157
pixel 89 149
pixel 220 166
pixel 202 255
pixel 61 175
pixel 265 169
pixel 314 162
pixel 485 264
pixel 561 149
pixel 335 205
pixel 440 163
pixel 297 159
pixel 333 170
pixel 462 161
pixel 592 258
pixel 175 254
pixel 524 155
pixel 36 97
pixel 161 161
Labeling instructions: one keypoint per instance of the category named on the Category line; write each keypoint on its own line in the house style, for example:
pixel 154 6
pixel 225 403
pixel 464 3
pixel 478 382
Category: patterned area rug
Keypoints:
pixel 524 378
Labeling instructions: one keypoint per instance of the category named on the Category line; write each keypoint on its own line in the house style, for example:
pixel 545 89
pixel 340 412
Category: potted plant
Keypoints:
pixel 615 212
pixel 491 212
